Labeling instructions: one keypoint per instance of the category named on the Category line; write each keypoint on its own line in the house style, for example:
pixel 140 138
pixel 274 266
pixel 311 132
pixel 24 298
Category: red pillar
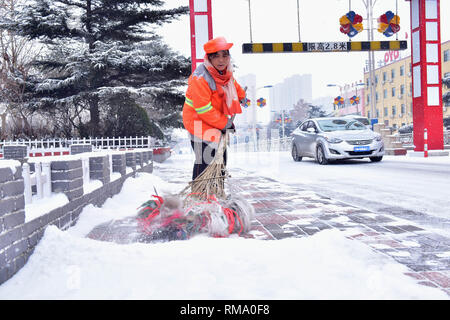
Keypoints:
pixel 426 74
pixel 201 28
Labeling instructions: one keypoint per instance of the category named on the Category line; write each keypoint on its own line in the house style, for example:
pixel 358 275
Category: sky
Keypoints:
pixel 276 21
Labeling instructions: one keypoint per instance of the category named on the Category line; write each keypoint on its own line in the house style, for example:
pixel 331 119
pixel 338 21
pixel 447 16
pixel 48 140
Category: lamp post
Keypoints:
pixel 340 90
pixel 369 4
pixel 356 85
pixel 254 111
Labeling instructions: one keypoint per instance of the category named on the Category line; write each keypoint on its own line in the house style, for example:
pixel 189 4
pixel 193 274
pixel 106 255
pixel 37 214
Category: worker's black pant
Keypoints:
pixel 204 154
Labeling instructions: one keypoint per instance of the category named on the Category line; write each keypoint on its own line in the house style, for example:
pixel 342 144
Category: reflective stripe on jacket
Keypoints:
pixel 203 113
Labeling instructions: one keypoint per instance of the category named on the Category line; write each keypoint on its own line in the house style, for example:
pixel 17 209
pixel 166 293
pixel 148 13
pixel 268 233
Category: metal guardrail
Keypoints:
pixel 408 138
pixel 263 145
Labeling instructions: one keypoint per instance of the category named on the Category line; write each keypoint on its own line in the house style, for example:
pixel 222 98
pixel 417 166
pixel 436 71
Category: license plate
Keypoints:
pixel 361 148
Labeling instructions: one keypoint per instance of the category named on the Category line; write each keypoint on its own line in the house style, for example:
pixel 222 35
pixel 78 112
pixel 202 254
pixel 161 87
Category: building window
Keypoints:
pixel 368 98
pixel 385 112
pixel 378 113
pixel 392 73
pixel 393 91
pixel 384 76
pixel 446 55
pixel 403 109
pixel 394 110
pixel 402 70
pixel 376 79
pixel 376 96
pixel 402 89
pixel 385 93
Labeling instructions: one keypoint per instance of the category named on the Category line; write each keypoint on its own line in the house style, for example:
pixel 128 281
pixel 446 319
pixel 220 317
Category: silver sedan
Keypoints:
pixel 327 139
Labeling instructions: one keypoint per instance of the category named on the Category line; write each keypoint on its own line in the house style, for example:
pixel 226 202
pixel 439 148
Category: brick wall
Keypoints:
pixel 14 152
pixel 19 238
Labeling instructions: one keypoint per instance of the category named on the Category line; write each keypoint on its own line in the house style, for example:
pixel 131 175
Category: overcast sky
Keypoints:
pixel 276 21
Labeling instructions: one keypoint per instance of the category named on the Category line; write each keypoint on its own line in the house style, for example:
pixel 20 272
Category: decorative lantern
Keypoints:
pixel 354 100
pixel 261 102
pixel 388 24
pixel 351 24
pixel 246 103
pixel 339 101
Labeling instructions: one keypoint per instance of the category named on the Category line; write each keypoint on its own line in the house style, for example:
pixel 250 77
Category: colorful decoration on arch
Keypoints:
pixel 351 24
pixel 286 120
pixel 338 101
pixel 354 100
pixel 388 24
pixel 246 103
pixel 261 102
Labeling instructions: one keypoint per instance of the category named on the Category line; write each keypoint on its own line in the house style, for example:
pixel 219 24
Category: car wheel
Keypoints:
pixel 294 153
pixel 376 159
pixel 320 156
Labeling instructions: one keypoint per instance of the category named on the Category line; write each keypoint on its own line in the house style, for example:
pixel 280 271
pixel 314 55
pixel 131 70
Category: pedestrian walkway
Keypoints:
pixel 283 211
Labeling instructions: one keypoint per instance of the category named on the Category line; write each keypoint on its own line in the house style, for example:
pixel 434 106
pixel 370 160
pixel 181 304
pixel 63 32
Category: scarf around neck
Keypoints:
pixel 225 82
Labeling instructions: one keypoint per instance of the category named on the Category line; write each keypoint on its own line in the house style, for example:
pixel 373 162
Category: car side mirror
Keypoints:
pixel 311 130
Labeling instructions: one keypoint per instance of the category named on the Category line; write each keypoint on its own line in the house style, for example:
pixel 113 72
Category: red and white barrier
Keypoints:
pixel 425 143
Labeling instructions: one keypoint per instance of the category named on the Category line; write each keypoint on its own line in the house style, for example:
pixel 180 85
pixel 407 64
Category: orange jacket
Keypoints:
pixel 203 113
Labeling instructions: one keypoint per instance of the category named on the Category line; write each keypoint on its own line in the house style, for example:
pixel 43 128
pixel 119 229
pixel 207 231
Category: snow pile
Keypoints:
pixel 135 191
pixel 328 265
pixel 39 207
pixel 324 266
pixel 12 164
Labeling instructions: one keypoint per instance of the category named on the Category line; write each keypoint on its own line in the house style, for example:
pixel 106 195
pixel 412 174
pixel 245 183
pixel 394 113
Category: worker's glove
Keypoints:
pixel 229 127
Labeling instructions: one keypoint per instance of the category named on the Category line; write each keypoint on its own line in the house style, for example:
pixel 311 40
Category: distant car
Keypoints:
pixel 364 120
pixel 328 139
pixel 446 121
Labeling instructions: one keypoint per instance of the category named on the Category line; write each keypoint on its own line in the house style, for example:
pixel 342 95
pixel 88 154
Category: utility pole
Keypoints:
pixel 369 9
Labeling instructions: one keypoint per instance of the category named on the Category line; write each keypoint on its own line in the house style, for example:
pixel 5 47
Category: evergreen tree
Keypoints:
pixel 98 49
pixel 316 112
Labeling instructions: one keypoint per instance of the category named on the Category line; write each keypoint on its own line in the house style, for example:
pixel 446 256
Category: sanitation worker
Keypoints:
pixel 212 99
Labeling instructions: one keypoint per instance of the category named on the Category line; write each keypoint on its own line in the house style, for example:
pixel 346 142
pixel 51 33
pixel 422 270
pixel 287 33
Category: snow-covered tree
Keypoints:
pixel 101 49
pixel 15 68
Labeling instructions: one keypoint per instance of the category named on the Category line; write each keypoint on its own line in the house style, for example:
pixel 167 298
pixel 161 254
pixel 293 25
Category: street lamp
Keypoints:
pixel 340 89
pixel 254 111
pixel 356 85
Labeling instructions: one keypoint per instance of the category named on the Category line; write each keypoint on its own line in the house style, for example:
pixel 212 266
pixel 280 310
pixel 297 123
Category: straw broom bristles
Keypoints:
pixel 212 180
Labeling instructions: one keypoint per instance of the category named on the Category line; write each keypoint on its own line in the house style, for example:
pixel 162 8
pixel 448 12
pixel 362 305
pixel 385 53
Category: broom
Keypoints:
pixel 212 180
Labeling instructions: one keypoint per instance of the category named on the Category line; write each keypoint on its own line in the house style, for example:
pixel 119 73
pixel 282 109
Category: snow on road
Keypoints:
pixel 411 183
pixel 66 265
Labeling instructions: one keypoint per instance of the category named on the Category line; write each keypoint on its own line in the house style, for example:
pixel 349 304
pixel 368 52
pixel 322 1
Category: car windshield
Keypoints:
pixel 364 121
pixel 328 125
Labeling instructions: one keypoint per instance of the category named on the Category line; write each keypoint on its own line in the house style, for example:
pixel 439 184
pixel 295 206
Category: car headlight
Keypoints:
pixel 333 140
pixel 378 138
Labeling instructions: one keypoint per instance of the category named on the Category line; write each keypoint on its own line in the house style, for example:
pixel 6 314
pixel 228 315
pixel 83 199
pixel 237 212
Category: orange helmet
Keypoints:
pixel 216 44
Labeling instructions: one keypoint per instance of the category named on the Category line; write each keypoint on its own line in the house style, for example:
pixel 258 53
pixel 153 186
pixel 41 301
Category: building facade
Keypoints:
pixel 285 95
pixel 393 91
pixel 351 106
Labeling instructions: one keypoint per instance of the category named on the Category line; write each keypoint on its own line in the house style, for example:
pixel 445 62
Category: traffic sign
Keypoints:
pixel 343 46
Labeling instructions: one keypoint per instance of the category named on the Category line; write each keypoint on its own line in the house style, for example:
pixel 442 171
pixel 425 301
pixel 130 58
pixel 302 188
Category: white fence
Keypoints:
pixel 41 178
pixel 61 146
pixel 100 143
